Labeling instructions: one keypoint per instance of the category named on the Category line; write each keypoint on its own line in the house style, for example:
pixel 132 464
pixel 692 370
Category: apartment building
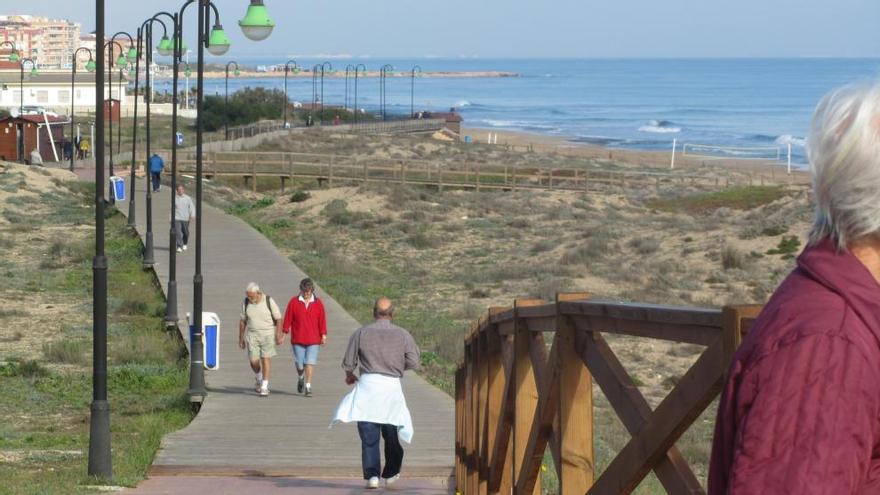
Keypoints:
pixel 49 42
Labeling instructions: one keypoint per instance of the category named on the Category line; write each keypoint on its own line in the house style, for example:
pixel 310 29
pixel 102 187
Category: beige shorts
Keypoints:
pixel 260 345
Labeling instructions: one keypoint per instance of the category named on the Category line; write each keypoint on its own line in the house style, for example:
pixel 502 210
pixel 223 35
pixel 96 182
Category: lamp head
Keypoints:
pixel 165 47
pixel 256 24
pixel 91 66
pixel 132 54
pixel 237 72
pixel 187 72
pixel 34 71
pixel 121 61
pixel 218 42
pixel 14 57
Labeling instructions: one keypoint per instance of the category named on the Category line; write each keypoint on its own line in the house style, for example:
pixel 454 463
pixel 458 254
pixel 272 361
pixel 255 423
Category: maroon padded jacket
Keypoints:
pixel 800 409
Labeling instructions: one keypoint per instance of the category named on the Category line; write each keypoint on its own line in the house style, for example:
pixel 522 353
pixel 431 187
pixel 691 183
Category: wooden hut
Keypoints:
pixel 20 135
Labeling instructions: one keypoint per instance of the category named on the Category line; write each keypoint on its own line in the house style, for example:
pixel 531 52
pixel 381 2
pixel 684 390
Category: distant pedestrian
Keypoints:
pixel 36 158
pixel 68 149
pixel 184 210
pixel 258 330
pixel 306 322
pixel 337 120
pixel 383 352
pixel 156 167
pixel 84 147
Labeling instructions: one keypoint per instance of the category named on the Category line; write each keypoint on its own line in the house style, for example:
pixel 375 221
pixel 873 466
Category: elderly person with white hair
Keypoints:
pixel 259 327
pixel 800 409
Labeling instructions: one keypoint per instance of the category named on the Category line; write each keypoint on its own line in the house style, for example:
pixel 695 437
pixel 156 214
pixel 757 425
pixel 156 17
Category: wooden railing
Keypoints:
pixel 513 398
pixel 330 168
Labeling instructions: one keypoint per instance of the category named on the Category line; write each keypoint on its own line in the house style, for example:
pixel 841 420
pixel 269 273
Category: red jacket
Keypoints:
pixel 306 325
pixel 800 411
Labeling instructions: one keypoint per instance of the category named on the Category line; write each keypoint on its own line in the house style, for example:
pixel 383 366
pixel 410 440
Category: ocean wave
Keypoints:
pixel 787 139
pixel 520 124
pixel 660 127
pixel 462 104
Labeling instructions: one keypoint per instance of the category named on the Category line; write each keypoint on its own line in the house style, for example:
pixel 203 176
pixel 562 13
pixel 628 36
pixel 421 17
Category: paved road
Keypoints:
pixel 238 433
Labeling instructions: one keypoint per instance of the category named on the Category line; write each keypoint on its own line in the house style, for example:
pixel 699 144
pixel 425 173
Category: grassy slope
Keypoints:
pixel 46 394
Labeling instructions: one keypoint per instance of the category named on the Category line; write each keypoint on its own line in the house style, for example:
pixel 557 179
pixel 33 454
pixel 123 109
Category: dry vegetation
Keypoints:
pixel 446 257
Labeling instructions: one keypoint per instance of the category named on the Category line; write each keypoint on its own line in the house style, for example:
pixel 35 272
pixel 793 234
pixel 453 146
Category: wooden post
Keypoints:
pixel 505 174
pixel 477 175
pixel 482 409
pixel 497 386
pixel 550 180
pixel 526 389
pixel 439 178
pixel 283 178
pixel 366 172
pixel 330 172
pixel 254 174
pixel 575 434
pixel 586 181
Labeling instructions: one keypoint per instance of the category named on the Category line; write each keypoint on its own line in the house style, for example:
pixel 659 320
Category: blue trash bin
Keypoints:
pixel 117 185
pixel 210 340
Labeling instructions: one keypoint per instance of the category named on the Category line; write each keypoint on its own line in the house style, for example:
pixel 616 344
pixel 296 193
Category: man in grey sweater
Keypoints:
pixel 184 210
pixel 382 351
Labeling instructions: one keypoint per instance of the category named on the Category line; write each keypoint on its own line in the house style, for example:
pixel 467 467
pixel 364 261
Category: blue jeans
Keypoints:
pixel 369 433
pixel 305 354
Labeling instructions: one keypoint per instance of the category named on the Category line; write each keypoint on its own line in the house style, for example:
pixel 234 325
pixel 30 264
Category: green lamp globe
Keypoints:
pixel 121 61
pixel 34 71
pixel 237 72
pixel 187 72
pixel 165 47
pixel 256 24
pixel 91 66
pixel 132 54
pixel 13 57
pixel 218 42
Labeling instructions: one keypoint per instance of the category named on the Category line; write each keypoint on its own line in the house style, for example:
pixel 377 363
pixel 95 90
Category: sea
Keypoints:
pixel 755 108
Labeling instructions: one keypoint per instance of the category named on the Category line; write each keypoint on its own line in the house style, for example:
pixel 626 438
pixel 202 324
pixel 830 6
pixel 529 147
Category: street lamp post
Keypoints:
pixel 287 69
pixel 90 66
pixel 383 74
pixel 327 66
pixel 226 98
pixel 412 90
pixel 357 70
pixel 21 91
pixel 348 69
pixel 145 39
pixel 100 464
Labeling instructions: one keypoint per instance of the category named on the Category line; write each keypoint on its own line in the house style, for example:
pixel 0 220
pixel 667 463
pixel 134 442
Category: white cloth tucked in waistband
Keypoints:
pixel 377 399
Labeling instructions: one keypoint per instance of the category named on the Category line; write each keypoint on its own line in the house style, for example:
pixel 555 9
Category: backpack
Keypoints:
pixel 269 306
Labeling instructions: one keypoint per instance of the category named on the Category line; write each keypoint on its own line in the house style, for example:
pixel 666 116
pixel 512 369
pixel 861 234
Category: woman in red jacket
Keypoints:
pixel 800 409
pixel 305 320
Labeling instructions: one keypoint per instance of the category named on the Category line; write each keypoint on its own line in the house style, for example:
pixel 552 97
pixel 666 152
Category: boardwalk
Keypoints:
pixel 285 435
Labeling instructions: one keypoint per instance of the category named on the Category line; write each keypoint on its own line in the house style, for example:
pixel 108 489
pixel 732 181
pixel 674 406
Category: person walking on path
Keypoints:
pixel 800 404
pixel 382 351
pixel 156 166
pixel 184 210
pixel 258 330
pixel 306 322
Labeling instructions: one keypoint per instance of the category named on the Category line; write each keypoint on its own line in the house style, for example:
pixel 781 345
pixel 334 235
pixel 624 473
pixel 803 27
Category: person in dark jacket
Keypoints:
pixel 800 409
pixel 156 166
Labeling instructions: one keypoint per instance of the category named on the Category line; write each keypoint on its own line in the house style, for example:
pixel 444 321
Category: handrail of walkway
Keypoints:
pixel 463 173
pixel 514 398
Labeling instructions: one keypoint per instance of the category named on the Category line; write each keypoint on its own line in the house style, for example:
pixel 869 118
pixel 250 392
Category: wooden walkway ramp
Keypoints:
pixel 237 433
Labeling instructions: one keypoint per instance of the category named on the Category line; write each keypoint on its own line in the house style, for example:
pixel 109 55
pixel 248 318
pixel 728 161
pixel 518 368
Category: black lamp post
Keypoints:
pixel 315 69
pixel 21 91
pixel 412 90
pixel 226 98
pixel 383 74
pixel 145 39
pixel 13 52
pixel 348 69
pixel 287 98
pixel 357 70
pixel 90 66
pixel 100 464
pixel 324 66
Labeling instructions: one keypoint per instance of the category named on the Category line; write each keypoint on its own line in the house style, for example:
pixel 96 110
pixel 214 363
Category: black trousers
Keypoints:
pixel 369 433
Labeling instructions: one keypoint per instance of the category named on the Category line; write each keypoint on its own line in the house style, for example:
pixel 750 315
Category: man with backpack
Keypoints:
pixel 258 330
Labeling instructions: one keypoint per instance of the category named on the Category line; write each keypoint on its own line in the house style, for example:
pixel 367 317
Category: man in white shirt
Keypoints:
pixel 259 327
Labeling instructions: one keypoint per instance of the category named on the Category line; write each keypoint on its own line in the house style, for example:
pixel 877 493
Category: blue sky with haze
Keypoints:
pixel 520 28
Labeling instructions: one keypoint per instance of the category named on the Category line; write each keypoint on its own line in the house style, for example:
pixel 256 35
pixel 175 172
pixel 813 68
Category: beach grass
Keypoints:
pixel 47 389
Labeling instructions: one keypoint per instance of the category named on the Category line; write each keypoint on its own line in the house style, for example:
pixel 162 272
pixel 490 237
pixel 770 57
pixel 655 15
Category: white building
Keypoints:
pixel 52 91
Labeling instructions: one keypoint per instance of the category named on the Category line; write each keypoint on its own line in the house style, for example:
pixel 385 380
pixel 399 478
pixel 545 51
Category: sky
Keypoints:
pixel 525 29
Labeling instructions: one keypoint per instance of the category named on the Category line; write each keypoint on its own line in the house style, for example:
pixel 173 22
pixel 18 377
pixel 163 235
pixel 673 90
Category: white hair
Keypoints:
pixel 253 287
pixel 844 153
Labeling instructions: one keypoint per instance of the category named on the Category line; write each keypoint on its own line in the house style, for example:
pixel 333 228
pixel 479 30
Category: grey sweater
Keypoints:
pixel 184 209
pixel 381 347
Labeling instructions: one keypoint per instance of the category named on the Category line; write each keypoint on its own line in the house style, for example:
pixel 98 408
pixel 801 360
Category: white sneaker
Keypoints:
pixel 258 385
pixel 264 392
pixel 373 482
pixel 390 481
pixel 179 250
pixel 184 247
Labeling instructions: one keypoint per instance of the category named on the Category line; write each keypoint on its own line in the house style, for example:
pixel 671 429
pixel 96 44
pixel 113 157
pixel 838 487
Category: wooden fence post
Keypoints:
pixel 366 173
pixel 439 178
pixel 526 389
pixel 482 446
pixel 477 175
pixel 330 172
pixel 550 180
pixel 498 383
pixel 575 435
pixel 254 173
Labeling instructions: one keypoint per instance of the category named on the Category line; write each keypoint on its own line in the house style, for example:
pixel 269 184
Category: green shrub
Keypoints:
pixel 644 245
pixel 300 196
pixel 245 106
pixel 788 246
pixel 732 258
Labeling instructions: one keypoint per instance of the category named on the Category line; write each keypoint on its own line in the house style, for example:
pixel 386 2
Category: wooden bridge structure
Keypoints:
pixel 514 398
